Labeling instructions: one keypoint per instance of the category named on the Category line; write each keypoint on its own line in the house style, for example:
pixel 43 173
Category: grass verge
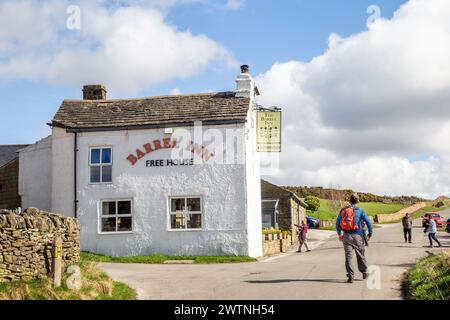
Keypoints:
pixel 429 279
pixel 96 285
pixel 158 259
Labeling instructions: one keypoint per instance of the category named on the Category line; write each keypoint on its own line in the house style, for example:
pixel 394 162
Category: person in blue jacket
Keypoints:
pixel 354 240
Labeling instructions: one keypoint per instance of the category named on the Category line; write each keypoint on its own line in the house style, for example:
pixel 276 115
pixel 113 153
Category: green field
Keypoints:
pixel 329 210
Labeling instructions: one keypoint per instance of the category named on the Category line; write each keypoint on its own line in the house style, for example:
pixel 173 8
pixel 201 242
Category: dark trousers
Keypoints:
pixel 431 237
pixel 354 242
pixel 407 233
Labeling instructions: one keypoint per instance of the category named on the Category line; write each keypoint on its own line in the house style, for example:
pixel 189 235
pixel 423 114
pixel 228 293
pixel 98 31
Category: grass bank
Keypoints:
pixel 430 208
pixel 429 279
pixel 158 259
pixel 329 210
pixel 96 285
pixel 421 212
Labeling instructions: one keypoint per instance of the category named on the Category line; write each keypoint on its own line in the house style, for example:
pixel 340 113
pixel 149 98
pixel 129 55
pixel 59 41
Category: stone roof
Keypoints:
pixel 266 192
pixel 160 111
pixel 9 153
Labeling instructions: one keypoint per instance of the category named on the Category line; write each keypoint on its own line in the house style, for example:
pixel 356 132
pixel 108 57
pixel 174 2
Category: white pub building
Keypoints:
pixel 176 175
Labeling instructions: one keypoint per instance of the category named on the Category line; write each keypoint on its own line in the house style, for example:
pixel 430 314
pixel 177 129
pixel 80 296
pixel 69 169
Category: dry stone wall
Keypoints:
pixel 382 218
pixel 26 243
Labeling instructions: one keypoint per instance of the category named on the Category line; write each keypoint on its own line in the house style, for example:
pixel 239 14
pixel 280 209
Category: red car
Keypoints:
pixel 435 216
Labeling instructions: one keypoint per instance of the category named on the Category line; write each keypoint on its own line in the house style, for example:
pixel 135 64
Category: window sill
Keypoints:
pixel 100 183
pixel 185 230
pixel 116 233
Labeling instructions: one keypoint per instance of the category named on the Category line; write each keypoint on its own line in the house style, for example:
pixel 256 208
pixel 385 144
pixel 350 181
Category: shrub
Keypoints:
pixel 313 203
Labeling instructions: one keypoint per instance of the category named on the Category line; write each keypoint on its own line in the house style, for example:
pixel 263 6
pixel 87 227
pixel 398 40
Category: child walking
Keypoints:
pixel 302 231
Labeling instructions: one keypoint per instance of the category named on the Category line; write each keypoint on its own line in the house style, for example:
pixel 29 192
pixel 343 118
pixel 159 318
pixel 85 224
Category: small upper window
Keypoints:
pixel 100 162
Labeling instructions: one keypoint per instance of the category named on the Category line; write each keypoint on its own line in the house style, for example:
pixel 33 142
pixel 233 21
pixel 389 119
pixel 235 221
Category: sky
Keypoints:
pixel 364 85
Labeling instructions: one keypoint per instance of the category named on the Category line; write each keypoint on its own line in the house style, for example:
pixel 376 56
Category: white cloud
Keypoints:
pixel 234 4
pixel 126 48
pixel 354 115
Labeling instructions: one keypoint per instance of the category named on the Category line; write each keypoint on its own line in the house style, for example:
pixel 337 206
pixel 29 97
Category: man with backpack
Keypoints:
pixel 349 222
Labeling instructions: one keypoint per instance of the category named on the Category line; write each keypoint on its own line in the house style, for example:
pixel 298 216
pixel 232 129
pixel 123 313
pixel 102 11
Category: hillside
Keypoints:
pixel 329 209
pixel 343 195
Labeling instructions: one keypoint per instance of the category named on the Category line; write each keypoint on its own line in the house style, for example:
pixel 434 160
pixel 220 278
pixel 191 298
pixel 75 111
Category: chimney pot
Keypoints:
pixel 94 92
pixel 245 86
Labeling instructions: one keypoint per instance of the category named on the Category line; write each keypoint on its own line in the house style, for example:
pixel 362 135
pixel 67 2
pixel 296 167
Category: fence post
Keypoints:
pixel 57 261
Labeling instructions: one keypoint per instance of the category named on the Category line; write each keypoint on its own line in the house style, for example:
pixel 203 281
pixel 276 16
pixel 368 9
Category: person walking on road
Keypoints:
pixel 350 232
pixel 431 229
pixel 302 231
pixel 407 227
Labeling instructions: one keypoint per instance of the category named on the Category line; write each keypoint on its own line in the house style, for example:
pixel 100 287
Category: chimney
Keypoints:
pixel 94 92
pixel 245 86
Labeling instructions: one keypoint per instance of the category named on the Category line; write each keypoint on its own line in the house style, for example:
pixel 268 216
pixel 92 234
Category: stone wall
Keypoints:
pixel 290 211
pixel 9 185
pixel 332 223
pixel 26 243
pixel 274 244
pixel 383 218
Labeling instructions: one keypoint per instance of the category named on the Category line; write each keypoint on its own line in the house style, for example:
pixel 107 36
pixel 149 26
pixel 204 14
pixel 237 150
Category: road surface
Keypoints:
pixel 319 274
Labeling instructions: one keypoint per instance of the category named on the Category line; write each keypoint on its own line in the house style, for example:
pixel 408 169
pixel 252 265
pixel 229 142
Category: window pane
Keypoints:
pixel 106 173
pixel 124 207
pixel 193 204
pixel 109 208
pixel 106 155
pixel 95 156
pixel 270 205
pixel 95 174
pixel 194 221
pixel 177 205
pixel 108 224
pixel 177 221
pixel 124 224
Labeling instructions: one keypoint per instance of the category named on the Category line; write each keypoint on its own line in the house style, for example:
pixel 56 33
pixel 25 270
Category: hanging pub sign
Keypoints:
pixel 268 131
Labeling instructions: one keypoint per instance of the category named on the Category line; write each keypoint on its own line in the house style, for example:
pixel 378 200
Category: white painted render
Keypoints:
pixel 231 216
pixel 35 175
pixel 62 172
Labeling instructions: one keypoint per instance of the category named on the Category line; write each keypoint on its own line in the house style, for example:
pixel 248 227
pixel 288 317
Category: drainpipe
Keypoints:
pixel 75 182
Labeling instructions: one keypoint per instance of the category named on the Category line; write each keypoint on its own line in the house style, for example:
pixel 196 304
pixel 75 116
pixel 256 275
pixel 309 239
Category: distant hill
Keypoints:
pixel 344 195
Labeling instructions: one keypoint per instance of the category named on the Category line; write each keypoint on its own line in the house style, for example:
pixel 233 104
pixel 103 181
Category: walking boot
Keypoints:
pixel 349 279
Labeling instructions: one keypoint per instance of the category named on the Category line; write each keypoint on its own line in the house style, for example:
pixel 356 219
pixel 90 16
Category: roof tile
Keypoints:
pixel 163 110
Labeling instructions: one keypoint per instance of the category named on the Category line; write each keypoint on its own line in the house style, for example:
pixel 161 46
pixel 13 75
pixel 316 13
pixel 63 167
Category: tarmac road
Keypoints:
pixel 319 274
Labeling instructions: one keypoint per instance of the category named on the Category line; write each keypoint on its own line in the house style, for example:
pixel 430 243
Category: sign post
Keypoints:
pixel 57 261
pixel 268 131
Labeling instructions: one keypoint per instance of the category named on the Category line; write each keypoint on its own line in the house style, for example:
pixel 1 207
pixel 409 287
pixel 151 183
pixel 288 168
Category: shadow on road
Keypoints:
pixel 373 241
pixel 296 280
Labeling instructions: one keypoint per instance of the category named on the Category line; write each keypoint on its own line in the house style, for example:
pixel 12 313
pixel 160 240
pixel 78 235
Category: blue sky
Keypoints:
pixel 260 33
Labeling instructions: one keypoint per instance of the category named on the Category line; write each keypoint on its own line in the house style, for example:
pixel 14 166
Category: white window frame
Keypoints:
pixel 116 216
pixel 184 212
pixel 101 165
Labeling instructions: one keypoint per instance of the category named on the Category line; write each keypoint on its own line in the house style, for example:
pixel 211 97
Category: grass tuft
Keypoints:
pixel 96 285
pixel 429 279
